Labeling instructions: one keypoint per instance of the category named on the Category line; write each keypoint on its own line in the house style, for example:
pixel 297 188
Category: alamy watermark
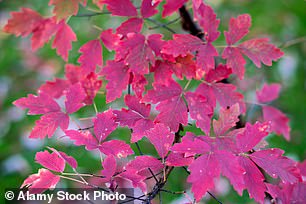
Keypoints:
pixel 77 195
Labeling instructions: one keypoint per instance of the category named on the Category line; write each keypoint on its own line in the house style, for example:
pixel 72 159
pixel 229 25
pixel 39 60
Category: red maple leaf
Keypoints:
pixel 172 108
pixel 136 117
pixel 258 50
pixel 171 6
pixel 41 181
pixel 120 7
pixel 65 8
pixel 91 55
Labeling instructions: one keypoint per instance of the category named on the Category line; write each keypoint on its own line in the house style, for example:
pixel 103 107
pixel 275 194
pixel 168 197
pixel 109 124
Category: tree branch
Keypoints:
pixel 188 24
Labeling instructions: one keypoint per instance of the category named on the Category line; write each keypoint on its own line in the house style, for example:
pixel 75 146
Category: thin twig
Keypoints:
pixel 212 195
pixel 165 24
pixel 171 192
pixel 160 25
pixel 74 174
pixel 93 14
pixel 126 201
pixel 87 128
pixel 141 153
pixel 293 42
pixel 153 176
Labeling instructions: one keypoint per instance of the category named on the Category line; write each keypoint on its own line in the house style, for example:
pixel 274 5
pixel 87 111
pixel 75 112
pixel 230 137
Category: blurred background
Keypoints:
pixel 22 72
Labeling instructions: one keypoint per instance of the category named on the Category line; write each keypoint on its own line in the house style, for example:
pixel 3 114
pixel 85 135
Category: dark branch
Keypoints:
pixel 87 128
pixel 188 24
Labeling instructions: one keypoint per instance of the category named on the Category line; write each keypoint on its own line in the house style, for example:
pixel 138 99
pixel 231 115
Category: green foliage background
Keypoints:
pixel 22 72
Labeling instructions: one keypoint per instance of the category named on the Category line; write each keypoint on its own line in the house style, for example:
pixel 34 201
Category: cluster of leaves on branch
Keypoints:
pixel 159 108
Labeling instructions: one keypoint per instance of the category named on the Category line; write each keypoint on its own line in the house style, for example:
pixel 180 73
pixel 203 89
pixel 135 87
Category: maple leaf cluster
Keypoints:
pixel 159 107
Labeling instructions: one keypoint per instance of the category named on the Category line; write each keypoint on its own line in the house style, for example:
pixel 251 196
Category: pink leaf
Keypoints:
pixel 227 119
pixel 227 96
pixel 276 165
pixel 171 6
pixel 132 25
pixel 117 148
pixel 172 113
pixel 68 159
pixel 260 51
pixel 74 98
pixel 206 17
pixel 55 88
pixel 162 72
pixel 183 44
pixel 156 43
pixel 251 136
pixel 191 146
pixel 161 137
pixel 173 110
pixel 302 167
pixel 144 162
pixel 279 121
pixel 288 193
pixel 238 28
pixel 140 128
pixel 178 159
pixel 40 104
pixel 16 25
pixel 43 33
pixel 91 85
pixel 163 92
pixel 253 179
pixel 234 60
pixel 109 39
pixel 82 138
pixel 74 73
pixel 65 8
pixel 50 161
pixel 136 179
pixel 91 56
pixel 136 52
pixel 205 57
pixel 231 168
pixel 63 40
pixel 148 8
pixel 206 91
pixel 136 117
pixel 137 169
pixel 216 75
pixel 120 7
pixel 199 110
pixel 117 75
pixel 104 124
pixel 202 173
pixel 184 66
pixel 268 93
pixel 139 82
pixel 48 123
pixel 41 181
pixel 143 110
pixel 109 167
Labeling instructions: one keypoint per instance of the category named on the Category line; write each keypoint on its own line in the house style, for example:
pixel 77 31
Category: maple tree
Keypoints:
pixel 157 106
